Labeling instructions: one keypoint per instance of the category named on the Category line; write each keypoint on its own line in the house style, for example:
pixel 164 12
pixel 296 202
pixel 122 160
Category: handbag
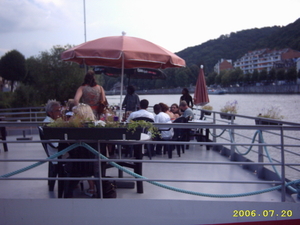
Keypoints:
pixel 108 189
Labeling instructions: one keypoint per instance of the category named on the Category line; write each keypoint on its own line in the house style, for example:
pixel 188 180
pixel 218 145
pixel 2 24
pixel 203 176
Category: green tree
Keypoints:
pixel 263 75
pixel 272 75
pixel 210 79
pixel 291 75
pixel 255 77
pixel 280 74
pixel 12 67
pixel 50 78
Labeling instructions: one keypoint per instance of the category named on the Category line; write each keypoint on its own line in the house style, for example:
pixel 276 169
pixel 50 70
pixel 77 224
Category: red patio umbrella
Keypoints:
pixel 122 52
pixel 201 95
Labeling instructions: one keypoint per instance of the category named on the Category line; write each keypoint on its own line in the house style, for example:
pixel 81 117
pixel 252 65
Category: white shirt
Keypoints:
pixel 164 118
pixel 140 113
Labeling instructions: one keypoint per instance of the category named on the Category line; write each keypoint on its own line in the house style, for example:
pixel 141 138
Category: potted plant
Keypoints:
pixel 229 108
pixel 206 109
pixel 99 130
pixel 266 116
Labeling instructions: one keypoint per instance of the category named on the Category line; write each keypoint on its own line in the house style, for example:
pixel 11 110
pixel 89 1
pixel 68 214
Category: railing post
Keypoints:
pixel 214 130
pixel 283 191
pixel 259 170
pixel 232 147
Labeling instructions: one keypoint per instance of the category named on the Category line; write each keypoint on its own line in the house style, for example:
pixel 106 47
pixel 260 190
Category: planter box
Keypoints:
pixel 71 133
pixel 227 116
pixel 206 112
pixel 264 122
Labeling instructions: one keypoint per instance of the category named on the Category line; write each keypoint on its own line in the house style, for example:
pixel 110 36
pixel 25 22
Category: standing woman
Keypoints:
pixel 187 97
pixel 91 94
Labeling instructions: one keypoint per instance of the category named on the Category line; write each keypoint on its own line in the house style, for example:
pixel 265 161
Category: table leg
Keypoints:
pixel 139 167
pixel 3 137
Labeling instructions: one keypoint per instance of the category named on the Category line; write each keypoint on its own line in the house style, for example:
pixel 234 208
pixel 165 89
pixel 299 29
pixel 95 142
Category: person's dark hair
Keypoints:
pixel 89 79
pixel 174 104
pixel 157 108
pixel 130 89
pixel 144 104
pixel 186 91
pixel 164 107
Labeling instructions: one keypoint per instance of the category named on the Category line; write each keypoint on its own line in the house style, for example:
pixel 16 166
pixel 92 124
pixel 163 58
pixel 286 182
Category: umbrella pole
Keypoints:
pixel 121 91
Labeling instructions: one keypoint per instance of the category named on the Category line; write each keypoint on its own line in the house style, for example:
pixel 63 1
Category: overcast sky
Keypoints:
pixel 33 26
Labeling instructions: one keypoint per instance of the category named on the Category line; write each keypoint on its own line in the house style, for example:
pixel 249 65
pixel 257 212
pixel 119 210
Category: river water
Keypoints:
pixel 249 105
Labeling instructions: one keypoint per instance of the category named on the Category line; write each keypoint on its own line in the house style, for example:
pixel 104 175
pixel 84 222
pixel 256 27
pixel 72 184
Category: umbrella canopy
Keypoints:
pixel 201 95
pixel 122 52
pixel 111 51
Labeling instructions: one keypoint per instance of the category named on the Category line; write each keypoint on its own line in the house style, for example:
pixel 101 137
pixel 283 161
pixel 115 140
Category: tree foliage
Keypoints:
pixel 12 67
pixel 48 77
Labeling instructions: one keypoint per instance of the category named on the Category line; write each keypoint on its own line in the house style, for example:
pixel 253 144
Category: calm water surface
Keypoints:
pixel 248 104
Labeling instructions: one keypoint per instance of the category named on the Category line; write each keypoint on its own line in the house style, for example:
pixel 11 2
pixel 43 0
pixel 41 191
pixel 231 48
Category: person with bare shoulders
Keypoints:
pixel 91 93
pixel 175 110
pixel 165 108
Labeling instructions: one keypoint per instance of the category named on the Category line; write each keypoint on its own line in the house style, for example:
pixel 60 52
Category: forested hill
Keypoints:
pixel 235 45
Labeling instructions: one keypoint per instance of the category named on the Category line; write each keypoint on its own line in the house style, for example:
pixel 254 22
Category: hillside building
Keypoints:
pixel 266 59
pixel 223 64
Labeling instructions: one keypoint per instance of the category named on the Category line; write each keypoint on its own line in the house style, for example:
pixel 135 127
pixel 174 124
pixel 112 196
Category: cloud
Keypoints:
pixel 31 15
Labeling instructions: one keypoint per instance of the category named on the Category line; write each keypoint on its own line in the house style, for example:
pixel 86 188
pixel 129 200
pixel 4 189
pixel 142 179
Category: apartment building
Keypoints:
pixel 223 64
pixel 266 59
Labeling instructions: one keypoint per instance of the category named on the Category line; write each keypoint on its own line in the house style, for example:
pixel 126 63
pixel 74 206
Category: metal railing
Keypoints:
pixel 28 114
pixel 282 143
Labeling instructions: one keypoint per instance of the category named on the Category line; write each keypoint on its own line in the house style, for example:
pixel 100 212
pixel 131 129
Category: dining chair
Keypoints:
pixel 149 147
pixel 52 168
pixel 180 134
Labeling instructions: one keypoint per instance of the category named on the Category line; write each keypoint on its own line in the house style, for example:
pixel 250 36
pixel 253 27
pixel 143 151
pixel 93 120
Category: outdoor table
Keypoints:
pixel 103 136
pixel 199 133
pixel 3 135
pixel 137 166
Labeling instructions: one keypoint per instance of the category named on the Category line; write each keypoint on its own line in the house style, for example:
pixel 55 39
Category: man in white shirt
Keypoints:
pixel 142 112
pixel 166 133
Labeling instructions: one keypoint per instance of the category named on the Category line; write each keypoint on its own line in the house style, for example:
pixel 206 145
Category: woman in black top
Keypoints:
pixel 187 97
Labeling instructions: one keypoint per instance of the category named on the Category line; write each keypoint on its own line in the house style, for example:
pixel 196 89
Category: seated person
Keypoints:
pixel 187 112
pixel 142 112
pixel 69 106
pixel 175 110
pixel 166 134
pixel 165 109
pixel 53 112
pixel 85 113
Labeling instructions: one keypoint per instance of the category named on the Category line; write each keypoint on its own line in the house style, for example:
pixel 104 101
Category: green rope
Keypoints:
pixel 152 182
pixel 41 162
pixel 186 191
pixel 259 132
